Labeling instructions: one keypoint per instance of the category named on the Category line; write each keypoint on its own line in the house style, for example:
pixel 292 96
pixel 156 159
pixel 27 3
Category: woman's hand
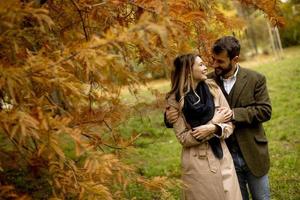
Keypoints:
pixel 203 131
pixel 223 114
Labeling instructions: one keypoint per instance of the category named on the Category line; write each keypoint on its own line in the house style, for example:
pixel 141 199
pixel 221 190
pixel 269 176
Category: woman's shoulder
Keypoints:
pixel 213 87
pixel 211 83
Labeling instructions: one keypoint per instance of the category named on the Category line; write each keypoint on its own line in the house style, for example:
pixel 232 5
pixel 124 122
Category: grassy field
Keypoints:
pixel 158 152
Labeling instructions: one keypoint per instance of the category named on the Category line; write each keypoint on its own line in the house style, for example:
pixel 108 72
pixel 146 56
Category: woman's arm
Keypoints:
pixel 185 135
pixel 180 127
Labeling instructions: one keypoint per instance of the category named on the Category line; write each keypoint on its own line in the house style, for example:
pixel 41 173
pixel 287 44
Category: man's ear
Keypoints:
pixel 235 59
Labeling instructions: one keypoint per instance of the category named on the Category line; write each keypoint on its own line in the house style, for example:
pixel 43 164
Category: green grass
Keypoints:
pixel 160 145
pixel 158 152
pixel 283 128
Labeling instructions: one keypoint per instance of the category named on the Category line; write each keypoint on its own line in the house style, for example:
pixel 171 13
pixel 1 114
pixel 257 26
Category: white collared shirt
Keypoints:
pixel 229 82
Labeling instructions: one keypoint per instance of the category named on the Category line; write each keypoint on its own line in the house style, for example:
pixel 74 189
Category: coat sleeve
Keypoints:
pixel 258 111
pixel 183 133
pixel 225 129
pixel 181 129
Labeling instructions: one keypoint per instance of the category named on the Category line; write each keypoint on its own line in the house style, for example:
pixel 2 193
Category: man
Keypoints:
pixel 247 95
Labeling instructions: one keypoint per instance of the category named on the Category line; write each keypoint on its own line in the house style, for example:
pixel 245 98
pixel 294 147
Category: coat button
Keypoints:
pixel 214 170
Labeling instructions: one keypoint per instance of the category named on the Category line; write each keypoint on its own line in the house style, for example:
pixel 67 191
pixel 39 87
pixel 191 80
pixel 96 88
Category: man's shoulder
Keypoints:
pixel 251 73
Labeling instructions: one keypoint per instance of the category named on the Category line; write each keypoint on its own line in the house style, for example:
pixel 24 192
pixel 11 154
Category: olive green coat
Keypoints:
pixel 251 106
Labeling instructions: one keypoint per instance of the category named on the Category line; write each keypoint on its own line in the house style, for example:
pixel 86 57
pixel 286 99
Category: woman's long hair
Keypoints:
pixel 182 78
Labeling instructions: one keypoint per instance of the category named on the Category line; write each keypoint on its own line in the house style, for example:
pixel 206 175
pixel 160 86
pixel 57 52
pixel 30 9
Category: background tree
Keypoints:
pixel 62 67
pixel 291 33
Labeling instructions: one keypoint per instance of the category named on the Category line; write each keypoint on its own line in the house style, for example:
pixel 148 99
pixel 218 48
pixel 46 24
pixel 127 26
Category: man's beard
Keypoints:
pixel 221 72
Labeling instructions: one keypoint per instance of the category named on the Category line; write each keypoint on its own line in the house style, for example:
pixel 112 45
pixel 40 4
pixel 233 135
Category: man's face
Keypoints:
pixel 222 64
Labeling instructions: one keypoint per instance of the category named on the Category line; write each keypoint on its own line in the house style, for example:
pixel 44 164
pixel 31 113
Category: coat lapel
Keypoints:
pixel 240 83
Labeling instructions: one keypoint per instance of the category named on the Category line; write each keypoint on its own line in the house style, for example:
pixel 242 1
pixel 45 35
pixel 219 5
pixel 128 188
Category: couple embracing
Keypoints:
pixel 218 119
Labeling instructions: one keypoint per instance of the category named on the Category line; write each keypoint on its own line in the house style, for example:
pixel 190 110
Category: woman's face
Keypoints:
pixel 199 70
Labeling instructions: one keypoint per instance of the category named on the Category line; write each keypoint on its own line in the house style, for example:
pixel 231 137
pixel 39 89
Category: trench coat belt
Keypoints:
pixel 203 153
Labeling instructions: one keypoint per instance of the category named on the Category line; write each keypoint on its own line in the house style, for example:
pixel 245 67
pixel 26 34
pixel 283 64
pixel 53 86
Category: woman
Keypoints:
pixel 207 168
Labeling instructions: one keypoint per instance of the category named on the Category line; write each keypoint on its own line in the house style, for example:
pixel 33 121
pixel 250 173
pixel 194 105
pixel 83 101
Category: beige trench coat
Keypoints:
pixel 205 177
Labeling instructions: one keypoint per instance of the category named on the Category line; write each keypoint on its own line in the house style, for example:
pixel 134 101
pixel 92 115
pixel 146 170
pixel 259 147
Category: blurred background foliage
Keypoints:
pixel 80 114
pixel 290 34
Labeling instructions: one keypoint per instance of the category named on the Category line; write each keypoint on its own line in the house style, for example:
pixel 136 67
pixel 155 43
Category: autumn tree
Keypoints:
pixel 62 67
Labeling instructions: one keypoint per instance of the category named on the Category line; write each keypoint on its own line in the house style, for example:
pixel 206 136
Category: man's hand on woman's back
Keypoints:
pixel 172 114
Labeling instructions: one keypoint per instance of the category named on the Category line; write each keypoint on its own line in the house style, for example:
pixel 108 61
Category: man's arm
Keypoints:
pixel 260 110
pixel 170 116
pixel 171 113
pixel 167 123
pixel 225 125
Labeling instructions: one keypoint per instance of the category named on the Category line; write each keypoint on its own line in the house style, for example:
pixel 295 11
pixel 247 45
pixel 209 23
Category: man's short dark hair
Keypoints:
pixel 229 44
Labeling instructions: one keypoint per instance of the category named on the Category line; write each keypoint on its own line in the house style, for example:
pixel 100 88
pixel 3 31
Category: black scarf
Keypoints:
pixel 197 114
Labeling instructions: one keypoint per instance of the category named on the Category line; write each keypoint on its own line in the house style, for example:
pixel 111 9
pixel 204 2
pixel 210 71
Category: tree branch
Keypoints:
pixel 82 20
pixel 139 6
